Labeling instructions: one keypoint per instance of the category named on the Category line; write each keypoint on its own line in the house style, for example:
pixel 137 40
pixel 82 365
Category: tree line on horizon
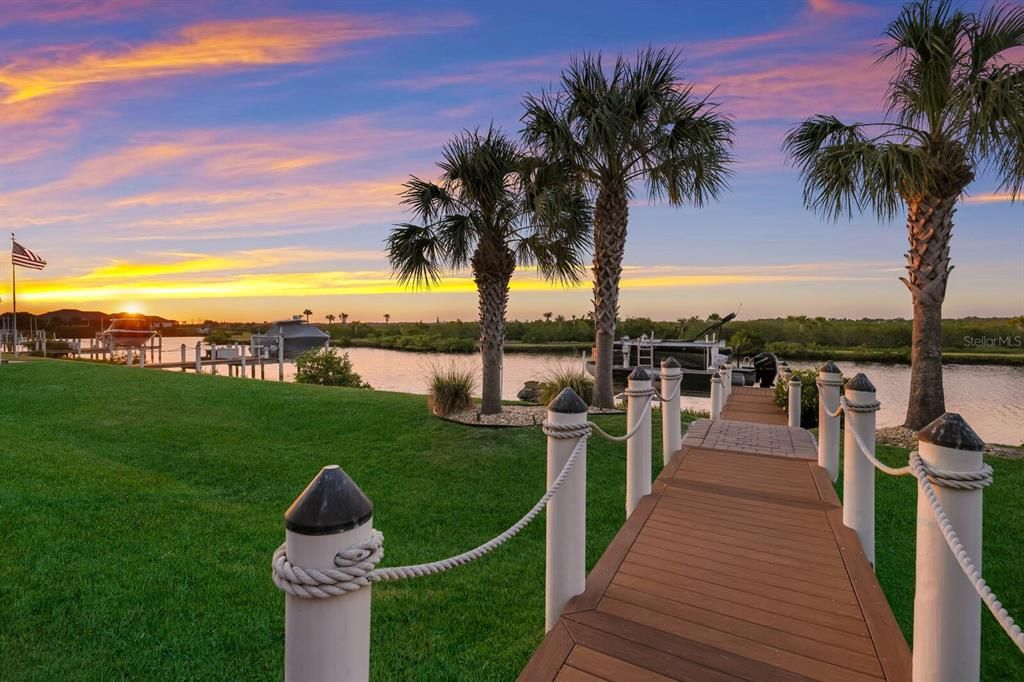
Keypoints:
pixel 561 189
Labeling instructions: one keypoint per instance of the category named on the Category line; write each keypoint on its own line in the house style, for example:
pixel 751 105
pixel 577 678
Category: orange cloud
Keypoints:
pixel 990 198
pixel 33 84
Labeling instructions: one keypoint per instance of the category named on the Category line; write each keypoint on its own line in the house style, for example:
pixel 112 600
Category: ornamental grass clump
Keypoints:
pixel 451 387
pixel 561 377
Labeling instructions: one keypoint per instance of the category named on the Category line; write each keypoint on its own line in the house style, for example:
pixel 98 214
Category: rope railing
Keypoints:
pixel 927 477
pixel 649 393
pixel 357 565
pixel 972 480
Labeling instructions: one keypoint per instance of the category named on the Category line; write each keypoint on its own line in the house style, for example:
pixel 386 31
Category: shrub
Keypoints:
pixel 451 388
pixel 560 377
pixel 327 368
pixel 808 396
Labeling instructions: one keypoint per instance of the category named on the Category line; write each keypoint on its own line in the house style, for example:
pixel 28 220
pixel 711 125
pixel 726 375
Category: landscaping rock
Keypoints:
pixel 530 392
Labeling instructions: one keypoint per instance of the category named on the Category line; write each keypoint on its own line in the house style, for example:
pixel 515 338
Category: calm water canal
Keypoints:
pixel 991 398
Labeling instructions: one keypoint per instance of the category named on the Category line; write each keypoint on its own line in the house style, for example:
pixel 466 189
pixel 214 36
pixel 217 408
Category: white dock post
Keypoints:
pixel 947 609
pixel 726 381
pixel 327 639
pixel 183 357
pixel 280 357
pixel 566 557
pixel 858 471
pixel 795 388
pixel 638 448
pixel 213 358
pixel 716 395
pixel 44 344
pixel 671 421
pixel 241 354
pixel 830 383
pixel 199 357
pixel 142 357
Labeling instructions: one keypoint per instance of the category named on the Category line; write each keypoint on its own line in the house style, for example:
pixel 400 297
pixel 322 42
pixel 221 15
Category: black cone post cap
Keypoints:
pixel 331 503
pixel 670 363
pixel 640 374
pixel 951 431
pixel 567 402
pixel 830 367
pixel 860 383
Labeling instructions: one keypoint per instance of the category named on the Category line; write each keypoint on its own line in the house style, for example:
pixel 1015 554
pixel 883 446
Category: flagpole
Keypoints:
pixel 14 297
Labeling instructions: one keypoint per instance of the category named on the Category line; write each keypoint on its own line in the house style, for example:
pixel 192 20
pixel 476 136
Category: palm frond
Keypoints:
pixel 843 170
pixel 426 200
pixel 999 29
pixel 926 44
pixel 638 121
pixel 415 255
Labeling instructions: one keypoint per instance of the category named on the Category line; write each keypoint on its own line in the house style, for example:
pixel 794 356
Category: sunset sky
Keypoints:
pixel 240 160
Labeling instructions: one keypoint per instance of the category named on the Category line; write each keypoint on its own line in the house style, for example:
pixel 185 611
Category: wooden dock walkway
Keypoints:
pixel 736 567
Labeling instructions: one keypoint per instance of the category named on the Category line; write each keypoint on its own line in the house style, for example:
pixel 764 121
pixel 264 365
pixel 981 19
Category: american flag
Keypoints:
pixel 25 258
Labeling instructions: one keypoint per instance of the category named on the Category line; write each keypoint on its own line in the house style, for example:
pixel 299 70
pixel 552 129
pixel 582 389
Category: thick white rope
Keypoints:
pixel 675 392
pixel 357 565
pixel 649 393
pixel 973 480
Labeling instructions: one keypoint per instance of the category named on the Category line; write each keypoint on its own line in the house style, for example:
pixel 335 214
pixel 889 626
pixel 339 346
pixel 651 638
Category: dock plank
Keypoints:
pixel 736 567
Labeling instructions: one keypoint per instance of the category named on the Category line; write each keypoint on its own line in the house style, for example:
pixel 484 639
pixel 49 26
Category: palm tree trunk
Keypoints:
pixel 929 230
pixel 611 216
pixel 492 276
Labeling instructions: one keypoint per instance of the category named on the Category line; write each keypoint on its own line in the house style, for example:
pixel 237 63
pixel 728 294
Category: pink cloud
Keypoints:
pixel 53 11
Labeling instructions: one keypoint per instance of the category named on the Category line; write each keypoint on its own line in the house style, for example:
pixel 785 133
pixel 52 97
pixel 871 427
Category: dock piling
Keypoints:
pixel 795 388
pixel 716 395
pixel 858 470
pixel 947 609
pixel 671 422
pixel 327 639
pixel 638 448
pixel 830 382
pixel 565 562
pixel 199 357
pixel 280 357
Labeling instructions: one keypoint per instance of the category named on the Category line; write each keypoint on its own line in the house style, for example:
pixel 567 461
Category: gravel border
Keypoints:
pixel 511 416
pixel 902 437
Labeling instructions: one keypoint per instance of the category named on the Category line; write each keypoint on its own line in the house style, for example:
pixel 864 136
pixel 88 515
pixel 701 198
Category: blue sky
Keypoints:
pixel 241 159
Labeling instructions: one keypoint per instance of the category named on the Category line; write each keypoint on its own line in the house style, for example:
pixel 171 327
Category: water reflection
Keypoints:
pixel 991 398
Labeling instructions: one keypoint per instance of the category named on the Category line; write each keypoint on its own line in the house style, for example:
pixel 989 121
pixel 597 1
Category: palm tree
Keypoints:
pixel 387 318
pixel 640 122
pixel 344 317
pixel 330 319
pixel 492 209
pixel 547 316
pixel 955 104
pixel 307 312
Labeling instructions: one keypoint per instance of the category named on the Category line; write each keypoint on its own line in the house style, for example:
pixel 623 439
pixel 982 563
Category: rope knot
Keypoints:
pixel 355 569
pixel 566 431
pixel 872 406
pixel 958 480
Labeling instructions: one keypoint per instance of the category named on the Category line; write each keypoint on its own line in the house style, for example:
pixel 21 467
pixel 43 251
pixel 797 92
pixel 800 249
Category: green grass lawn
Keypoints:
pixel 1002 545
pixel 139 511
